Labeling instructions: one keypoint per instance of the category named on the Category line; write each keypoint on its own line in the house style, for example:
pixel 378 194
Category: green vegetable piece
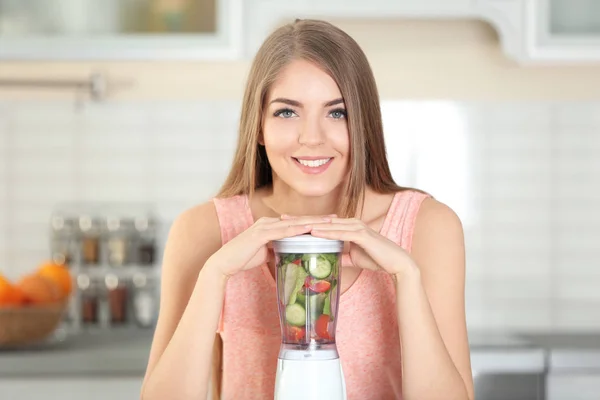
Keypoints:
pixel 327 305
pixel 301 298
pixel 316 305
pixel 320 267
pixel 300 278
pixel 291 274
pixel 295 314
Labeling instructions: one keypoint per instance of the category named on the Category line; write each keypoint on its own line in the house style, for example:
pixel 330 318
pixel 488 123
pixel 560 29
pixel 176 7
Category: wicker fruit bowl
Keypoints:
pixel 29 325
pixel 32 307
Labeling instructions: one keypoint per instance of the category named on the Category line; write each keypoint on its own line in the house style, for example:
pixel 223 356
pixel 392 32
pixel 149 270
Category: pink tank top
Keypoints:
pixel 367 335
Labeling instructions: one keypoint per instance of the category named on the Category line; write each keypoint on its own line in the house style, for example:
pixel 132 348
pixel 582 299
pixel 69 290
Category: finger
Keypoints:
pixel 289 217
pixel 345 221
pixel 336 227
pixel 266 220
pixel 286 231
pixel 297 221
pixel 345 235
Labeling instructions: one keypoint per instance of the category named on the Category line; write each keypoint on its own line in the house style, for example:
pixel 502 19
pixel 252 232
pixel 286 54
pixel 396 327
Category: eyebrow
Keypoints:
pixel 295 103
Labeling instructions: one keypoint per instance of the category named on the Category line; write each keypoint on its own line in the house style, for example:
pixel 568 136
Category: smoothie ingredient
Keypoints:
pixel 295 314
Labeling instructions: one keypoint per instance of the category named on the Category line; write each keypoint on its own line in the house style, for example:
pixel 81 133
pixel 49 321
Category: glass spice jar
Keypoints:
pixel 144 301
pixel 89 299
pixel 90 240
pixel 146 241
pixel 118 241
pixel 62 239
pixel 117 299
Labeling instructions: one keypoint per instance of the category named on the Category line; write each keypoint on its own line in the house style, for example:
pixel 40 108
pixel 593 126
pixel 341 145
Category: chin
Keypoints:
pixel 313 189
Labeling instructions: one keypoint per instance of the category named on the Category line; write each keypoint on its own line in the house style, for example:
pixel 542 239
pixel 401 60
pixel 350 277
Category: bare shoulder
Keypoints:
pixel 434 219
pixel 438 227
pixel 194 235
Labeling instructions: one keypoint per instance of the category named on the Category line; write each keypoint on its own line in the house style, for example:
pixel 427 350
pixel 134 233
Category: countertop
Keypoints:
pixel 125 353
pixel 120 353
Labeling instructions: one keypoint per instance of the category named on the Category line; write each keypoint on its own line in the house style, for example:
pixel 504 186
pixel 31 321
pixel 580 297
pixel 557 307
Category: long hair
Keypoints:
pixel 341 57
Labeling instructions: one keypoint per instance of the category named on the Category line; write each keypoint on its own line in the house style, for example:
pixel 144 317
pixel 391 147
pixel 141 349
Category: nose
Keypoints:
pixel 311 133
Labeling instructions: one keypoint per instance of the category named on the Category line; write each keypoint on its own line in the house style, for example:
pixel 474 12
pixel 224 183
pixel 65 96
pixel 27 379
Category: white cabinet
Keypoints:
pixel 120 29
pixel 531 31
pixel 70 388
pixel 546 31
pixel 264 15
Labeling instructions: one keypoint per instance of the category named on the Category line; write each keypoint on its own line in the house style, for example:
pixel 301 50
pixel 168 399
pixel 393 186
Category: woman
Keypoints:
pixel 311 159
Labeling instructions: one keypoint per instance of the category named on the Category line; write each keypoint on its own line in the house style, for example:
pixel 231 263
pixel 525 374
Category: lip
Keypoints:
pixel 312 170
pixel 312 158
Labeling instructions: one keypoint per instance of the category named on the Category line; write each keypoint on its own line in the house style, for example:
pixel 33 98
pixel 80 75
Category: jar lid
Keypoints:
pixel 307 244
pixel 111 281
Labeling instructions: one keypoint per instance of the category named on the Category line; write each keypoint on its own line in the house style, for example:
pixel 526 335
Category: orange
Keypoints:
pixel 59 274
pixel 39 290
pixel 10 295
pixel 6 292
pixel 18 296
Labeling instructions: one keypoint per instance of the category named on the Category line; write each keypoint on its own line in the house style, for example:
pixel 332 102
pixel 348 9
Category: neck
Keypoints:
pixel 282 199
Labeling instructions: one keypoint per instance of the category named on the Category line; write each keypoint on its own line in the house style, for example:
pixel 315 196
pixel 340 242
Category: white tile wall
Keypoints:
pixel 524 177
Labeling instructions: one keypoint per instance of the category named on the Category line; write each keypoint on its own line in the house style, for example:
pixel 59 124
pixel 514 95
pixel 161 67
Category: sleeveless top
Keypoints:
pixel 367 336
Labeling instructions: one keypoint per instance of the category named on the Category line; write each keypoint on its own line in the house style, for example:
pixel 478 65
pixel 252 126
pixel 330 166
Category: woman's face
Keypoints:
pixel 305 131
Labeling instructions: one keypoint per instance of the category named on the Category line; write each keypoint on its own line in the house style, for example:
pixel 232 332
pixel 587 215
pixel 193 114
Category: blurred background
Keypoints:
pixel 115 116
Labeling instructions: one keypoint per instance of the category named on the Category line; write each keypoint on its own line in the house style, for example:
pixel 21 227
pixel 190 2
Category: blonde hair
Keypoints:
pixel 341 57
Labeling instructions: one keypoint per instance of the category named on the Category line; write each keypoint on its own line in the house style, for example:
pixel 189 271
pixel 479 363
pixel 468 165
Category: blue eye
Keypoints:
pixel 284 113
pixel 338 113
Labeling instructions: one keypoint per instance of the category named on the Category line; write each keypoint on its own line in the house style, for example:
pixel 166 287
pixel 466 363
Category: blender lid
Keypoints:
pixel 307 244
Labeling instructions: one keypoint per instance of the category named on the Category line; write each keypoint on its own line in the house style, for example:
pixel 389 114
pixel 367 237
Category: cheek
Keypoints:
pixel 340 139
pixel 279 136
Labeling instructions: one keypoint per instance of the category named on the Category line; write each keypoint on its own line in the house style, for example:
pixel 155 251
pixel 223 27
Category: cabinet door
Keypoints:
pixel 71 389
pixel 555 32
pixel 573 17
pixel 119 29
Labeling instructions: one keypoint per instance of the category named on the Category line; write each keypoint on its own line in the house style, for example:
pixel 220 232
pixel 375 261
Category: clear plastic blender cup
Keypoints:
pixel 308 282
pixel 308 293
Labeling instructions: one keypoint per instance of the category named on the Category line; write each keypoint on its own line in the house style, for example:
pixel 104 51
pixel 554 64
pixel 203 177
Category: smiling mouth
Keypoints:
pixel 313 163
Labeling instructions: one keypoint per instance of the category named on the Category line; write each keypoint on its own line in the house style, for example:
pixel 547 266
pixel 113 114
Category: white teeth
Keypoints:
pixel 314 163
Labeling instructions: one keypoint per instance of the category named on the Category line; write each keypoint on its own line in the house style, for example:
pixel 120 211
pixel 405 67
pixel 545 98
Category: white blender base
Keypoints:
pixel 314 380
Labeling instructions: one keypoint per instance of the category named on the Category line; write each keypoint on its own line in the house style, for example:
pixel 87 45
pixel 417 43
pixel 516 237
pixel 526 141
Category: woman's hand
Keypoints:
pixel 368 249
pixel 250 249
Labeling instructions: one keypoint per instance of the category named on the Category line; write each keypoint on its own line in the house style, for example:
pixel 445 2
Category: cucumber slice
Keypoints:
pixel 319 267
pixel 295 314
pixel 306 259
pixel 331 257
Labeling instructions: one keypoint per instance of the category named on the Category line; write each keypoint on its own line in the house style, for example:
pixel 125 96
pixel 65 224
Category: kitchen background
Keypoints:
pixel 512 146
